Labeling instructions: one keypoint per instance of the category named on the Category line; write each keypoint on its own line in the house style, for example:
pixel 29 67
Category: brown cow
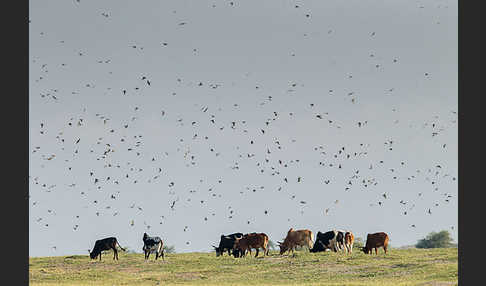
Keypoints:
pixel 375 240
pixel 249 241
pixel 349 241
pixel 302 237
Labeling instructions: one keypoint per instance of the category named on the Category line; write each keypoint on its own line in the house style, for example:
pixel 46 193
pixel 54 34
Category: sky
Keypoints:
pixel 192 119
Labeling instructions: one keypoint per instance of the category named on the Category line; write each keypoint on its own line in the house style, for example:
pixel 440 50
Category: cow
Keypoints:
pixel 105 244
pixel 340 240
pixel 226 243
pixel 345 240
pixel 349 241
pixel 249 241
pixel 325 241
pixel 294 238
pixel 151 244
pixel 375 240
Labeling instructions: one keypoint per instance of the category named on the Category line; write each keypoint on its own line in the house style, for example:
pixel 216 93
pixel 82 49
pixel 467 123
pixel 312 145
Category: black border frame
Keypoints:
pixel 15 167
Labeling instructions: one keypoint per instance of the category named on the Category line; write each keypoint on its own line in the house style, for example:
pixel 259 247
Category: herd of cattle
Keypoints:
pixel 238 244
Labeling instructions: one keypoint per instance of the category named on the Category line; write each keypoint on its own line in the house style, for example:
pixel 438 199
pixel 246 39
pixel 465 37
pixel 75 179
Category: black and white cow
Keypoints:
pixel 340 240
pixel 151 244
pixel 327 240
pixel 226 243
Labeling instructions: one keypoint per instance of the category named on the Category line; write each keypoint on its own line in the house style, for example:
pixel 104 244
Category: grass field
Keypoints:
pixel 398 267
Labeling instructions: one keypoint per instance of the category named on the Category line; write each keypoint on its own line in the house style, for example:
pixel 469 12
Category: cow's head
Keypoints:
pixel 283 247
pixel 218 250
pixel 93 254
pixel 365 250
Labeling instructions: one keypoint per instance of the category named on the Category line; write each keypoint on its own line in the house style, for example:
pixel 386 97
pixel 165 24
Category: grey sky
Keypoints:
pixel 396 60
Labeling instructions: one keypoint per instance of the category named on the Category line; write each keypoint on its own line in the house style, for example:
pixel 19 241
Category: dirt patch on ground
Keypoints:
pixel 189 275
pixel 438 283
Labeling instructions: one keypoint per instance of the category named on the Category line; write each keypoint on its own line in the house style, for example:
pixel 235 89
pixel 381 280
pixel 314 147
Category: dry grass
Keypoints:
pixel 429 267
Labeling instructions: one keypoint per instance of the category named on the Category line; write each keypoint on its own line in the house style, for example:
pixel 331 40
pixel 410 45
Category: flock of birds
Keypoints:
pixel 119 159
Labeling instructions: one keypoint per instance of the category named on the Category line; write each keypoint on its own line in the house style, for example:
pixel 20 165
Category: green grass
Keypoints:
pixel 398 267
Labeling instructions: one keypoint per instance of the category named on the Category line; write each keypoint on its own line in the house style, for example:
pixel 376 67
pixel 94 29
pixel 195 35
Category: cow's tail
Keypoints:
pixel 120 245
pixel 312 240
pixel 265 244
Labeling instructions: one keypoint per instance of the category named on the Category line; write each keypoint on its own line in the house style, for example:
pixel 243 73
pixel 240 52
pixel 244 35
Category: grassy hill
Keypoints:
pixel 398 267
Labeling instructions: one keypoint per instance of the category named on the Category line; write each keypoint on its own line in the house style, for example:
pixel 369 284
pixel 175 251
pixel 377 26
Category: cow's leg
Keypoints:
pixel 156 255
pixel 114 254
pixel 229 253
pixel 258 249
pixel 100 255
pixel 384 248
pixel 376 250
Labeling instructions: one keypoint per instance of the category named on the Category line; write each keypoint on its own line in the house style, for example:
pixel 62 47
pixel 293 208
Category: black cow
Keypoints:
pixel 327 240
pixel 105 244
pixel 226 243
pixel 151 244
